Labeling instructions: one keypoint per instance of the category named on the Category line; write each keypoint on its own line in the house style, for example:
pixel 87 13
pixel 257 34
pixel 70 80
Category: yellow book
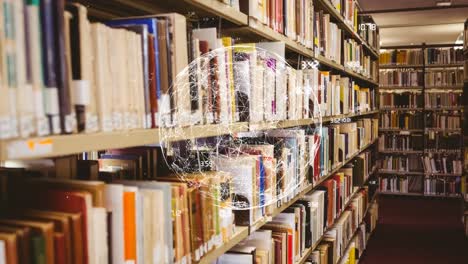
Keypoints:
pixel 227 43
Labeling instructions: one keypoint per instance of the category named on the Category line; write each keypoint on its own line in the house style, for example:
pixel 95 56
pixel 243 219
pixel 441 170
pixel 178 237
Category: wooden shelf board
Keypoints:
pixel 394 66
pixel 220 9
pixel 401 87
pixel 406 152
pixel 419 194
pixel 411 173
pixel 241 233
pixel 444 65
pixel 257 27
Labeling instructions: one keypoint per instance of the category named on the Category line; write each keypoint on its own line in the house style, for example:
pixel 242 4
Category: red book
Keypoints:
pixel 339 196
pixel 67 202
pixel 329 185
pixel 59 248
pixel 290 248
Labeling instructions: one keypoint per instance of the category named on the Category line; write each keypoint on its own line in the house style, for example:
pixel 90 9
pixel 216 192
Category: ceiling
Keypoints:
pixel 423 22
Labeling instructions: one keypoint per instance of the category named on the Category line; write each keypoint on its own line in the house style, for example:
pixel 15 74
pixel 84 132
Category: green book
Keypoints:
pixel 38 250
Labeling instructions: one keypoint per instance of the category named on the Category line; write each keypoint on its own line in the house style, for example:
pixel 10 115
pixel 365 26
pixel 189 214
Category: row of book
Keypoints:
pixel 401 184
pixel 294 19
pixel 443 142
pixel 450 55
pixel 390 100
pixel 443 163
pixel 57 211
pixel 369 33
pixel 443 121
pixel 343 140
pixel 406 163
pixel 401 57
pixel 402 120
pixel 304 23
pixel 398 142
pixel 276 172
pixel 400 78
pixel 286 238
pixel 358 243
pixel 440 100
pixel 329 38
pixel 73 221
pixel 148 90
pixel 348 9
pixel 443 186
pixel 355 59
pixel 443 78
pixel 337 95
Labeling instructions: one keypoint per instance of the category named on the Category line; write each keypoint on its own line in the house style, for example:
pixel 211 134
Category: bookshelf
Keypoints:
pixel 231 22
pixel 61 145
pixel 417 59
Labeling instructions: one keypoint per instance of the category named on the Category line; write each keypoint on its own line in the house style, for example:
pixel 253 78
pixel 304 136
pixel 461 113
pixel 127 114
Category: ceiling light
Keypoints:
pixel 444 3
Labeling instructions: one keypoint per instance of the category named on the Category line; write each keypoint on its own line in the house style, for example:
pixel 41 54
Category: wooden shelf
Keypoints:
pixel 401 109
pixel 396 66
pixel 401 130
pixel 60 145
pixel 403 152
pixel 403 173
pixel 220 9
pixel 419 194
pixel 401 87
pixel 444 65
pixel 241 233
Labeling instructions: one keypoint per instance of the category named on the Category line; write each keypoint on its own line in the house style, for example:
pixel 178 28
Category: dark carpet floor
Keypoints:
pixel 413 230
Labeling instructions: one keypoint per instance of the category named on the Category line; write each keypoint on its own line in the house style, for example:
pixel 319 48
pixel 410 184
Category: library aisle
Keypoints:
pixel 233 131
pixel 417 230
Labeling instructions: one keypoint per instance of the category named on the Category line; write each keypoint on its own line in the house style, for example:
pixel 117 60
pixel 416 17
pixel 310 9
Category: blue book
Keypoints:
pixel 262 185
pixel 152 25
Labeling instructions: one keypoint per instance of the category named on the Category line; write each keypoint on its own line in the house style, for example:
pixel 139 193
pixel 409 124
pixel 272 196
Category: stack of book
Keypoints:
pixel 443 121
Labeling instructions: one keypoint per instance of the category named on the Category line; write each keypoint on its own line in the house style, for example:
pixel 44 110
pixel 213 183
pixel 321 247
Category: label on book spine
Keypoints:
pixel 117 119
pixel 26 126
pixel 56 125
pixel 43 128
pixel 52 101
pixel 92 123
pixel 70 123
pixel 5 127
pixel 81 92
pixel 14 127
pixel 127 120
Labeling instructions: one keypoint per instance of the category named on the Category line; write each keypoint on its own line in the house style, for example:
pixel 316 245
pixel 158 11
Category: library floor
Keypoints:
pixel 417 230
